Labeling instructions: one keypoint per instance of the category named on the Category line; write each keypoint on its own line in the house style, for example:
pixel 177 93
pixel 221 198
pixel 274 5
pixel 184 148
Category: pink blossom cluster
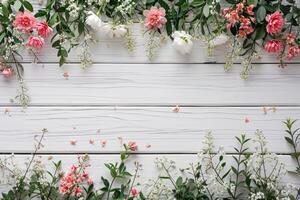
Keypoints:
pixel 26 23
pixel 155 18
pixel 242 15
pixel 276 46
pixel 71 183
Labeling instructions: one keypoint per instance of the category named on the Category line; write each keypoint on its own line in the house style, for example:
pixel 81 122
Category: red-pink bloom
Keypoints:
pixel 275 22
pixel 273 46
pixel 290 38
pixel 250 10
pixel 24 22
pixel 7 72
pixel 225 11
pixel 43 29
pixel 293 51
pixel 155 18
pixel 134 192
pixel 133 146
pixel 90 181
pixel 77 191
pixel 35 42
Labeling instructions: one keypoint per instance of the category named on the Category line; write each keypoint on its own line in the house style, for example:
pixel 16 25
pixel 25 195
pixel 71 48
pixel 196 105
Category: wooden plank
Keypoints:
pixel 109 50
pixel 149 170
pixel 160 127
pixel 159 84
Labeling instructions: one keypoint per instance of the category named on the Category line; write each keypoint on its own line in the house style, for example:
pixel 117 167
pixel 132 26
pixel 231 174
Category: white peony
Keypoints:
pixel 182 42
pixel 112 31
pixel 219 40
pixel 94 21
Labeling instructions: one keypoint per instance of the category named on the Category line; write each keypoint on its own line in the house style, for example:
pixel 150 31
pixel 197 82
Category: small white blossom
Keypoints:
pixel 113 31
pixel 182 42
pixel 94 21
pixel 219 40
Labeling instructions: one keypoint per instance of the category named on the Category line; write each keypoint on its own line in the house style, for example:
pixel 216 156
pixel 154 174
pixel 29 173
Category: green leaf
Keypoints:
pixel 261 13
pixel 206 10
pixel 27 5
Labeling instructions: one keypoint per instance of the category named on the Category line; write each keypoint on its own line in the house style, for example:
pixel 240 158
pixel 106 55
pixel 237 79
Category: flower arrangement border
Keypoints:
pixel 251 175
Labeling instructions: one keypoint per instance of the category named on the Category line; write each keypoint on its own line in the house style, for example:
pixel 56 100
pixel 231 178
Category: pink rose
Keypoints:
pixel 133 146
pixel 155 18
pixel 293 51
pixel 273 46
pixel 134 192
pixel 35 42
pixel 24 22
pixel 275 22
pixel 8 72
pixel 43 29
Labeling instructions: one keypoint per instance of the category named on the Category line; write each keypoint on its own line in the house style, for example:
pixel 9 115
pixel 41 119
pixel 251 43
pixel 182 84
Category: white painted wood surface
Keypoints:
pixel 159 127
pixel 157 84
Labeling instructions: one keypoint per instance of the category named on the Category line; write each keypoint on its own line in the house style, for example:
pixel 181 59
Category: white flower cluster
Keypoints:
pixel 110 30
pixel 126 7
pixel 73 9
pixel 182 42
pixel 211 172
pixel 158 190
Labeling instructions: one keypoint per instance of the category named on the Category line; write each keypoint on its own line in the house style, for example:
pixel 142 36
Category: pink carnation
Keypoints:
pixel 35 42
pixel 273 46
pixel 293 51
pixel 155 18
pixel 8 72
pixel 133 146
pixel 43 29
pixel 134 192
pixel 275 22
pixel 24 22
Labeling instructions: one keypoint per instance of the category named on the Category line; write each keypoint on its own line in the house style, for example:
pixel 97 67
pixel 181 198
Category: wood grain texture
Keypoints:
pixel 149 170
pixel 157 84
pixel 160 127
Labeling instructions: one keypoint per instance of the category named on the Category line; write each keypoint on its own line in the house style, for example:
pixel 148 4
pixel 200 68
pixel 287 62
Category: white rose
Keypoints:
pixel 219 40
pixel 117 31
pixel 94 21
pixel 182 42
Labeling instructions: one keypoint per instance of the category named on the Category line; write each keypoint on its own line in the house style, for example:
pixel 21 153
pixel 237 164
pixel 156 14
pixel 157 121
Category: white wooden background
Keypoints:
pixel 125 95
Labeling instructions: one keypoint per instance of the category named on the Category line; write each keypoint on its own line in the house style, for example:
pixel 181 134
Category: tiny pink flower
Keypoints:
pixel 155 18
pixel 24 22
pixel 247 120
pixel 273 46
pixel 78 191
pixel 73 142
pixel 8 72
pixel 43 29
pixel 290 38
pixel 90 181
pixel 176 109
pixel 35 42
pixel 103 143
pixel 66 74
pixel 250 10
pixel 275 22
pixel 293 51
pixel 134 192
pixel 133 146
